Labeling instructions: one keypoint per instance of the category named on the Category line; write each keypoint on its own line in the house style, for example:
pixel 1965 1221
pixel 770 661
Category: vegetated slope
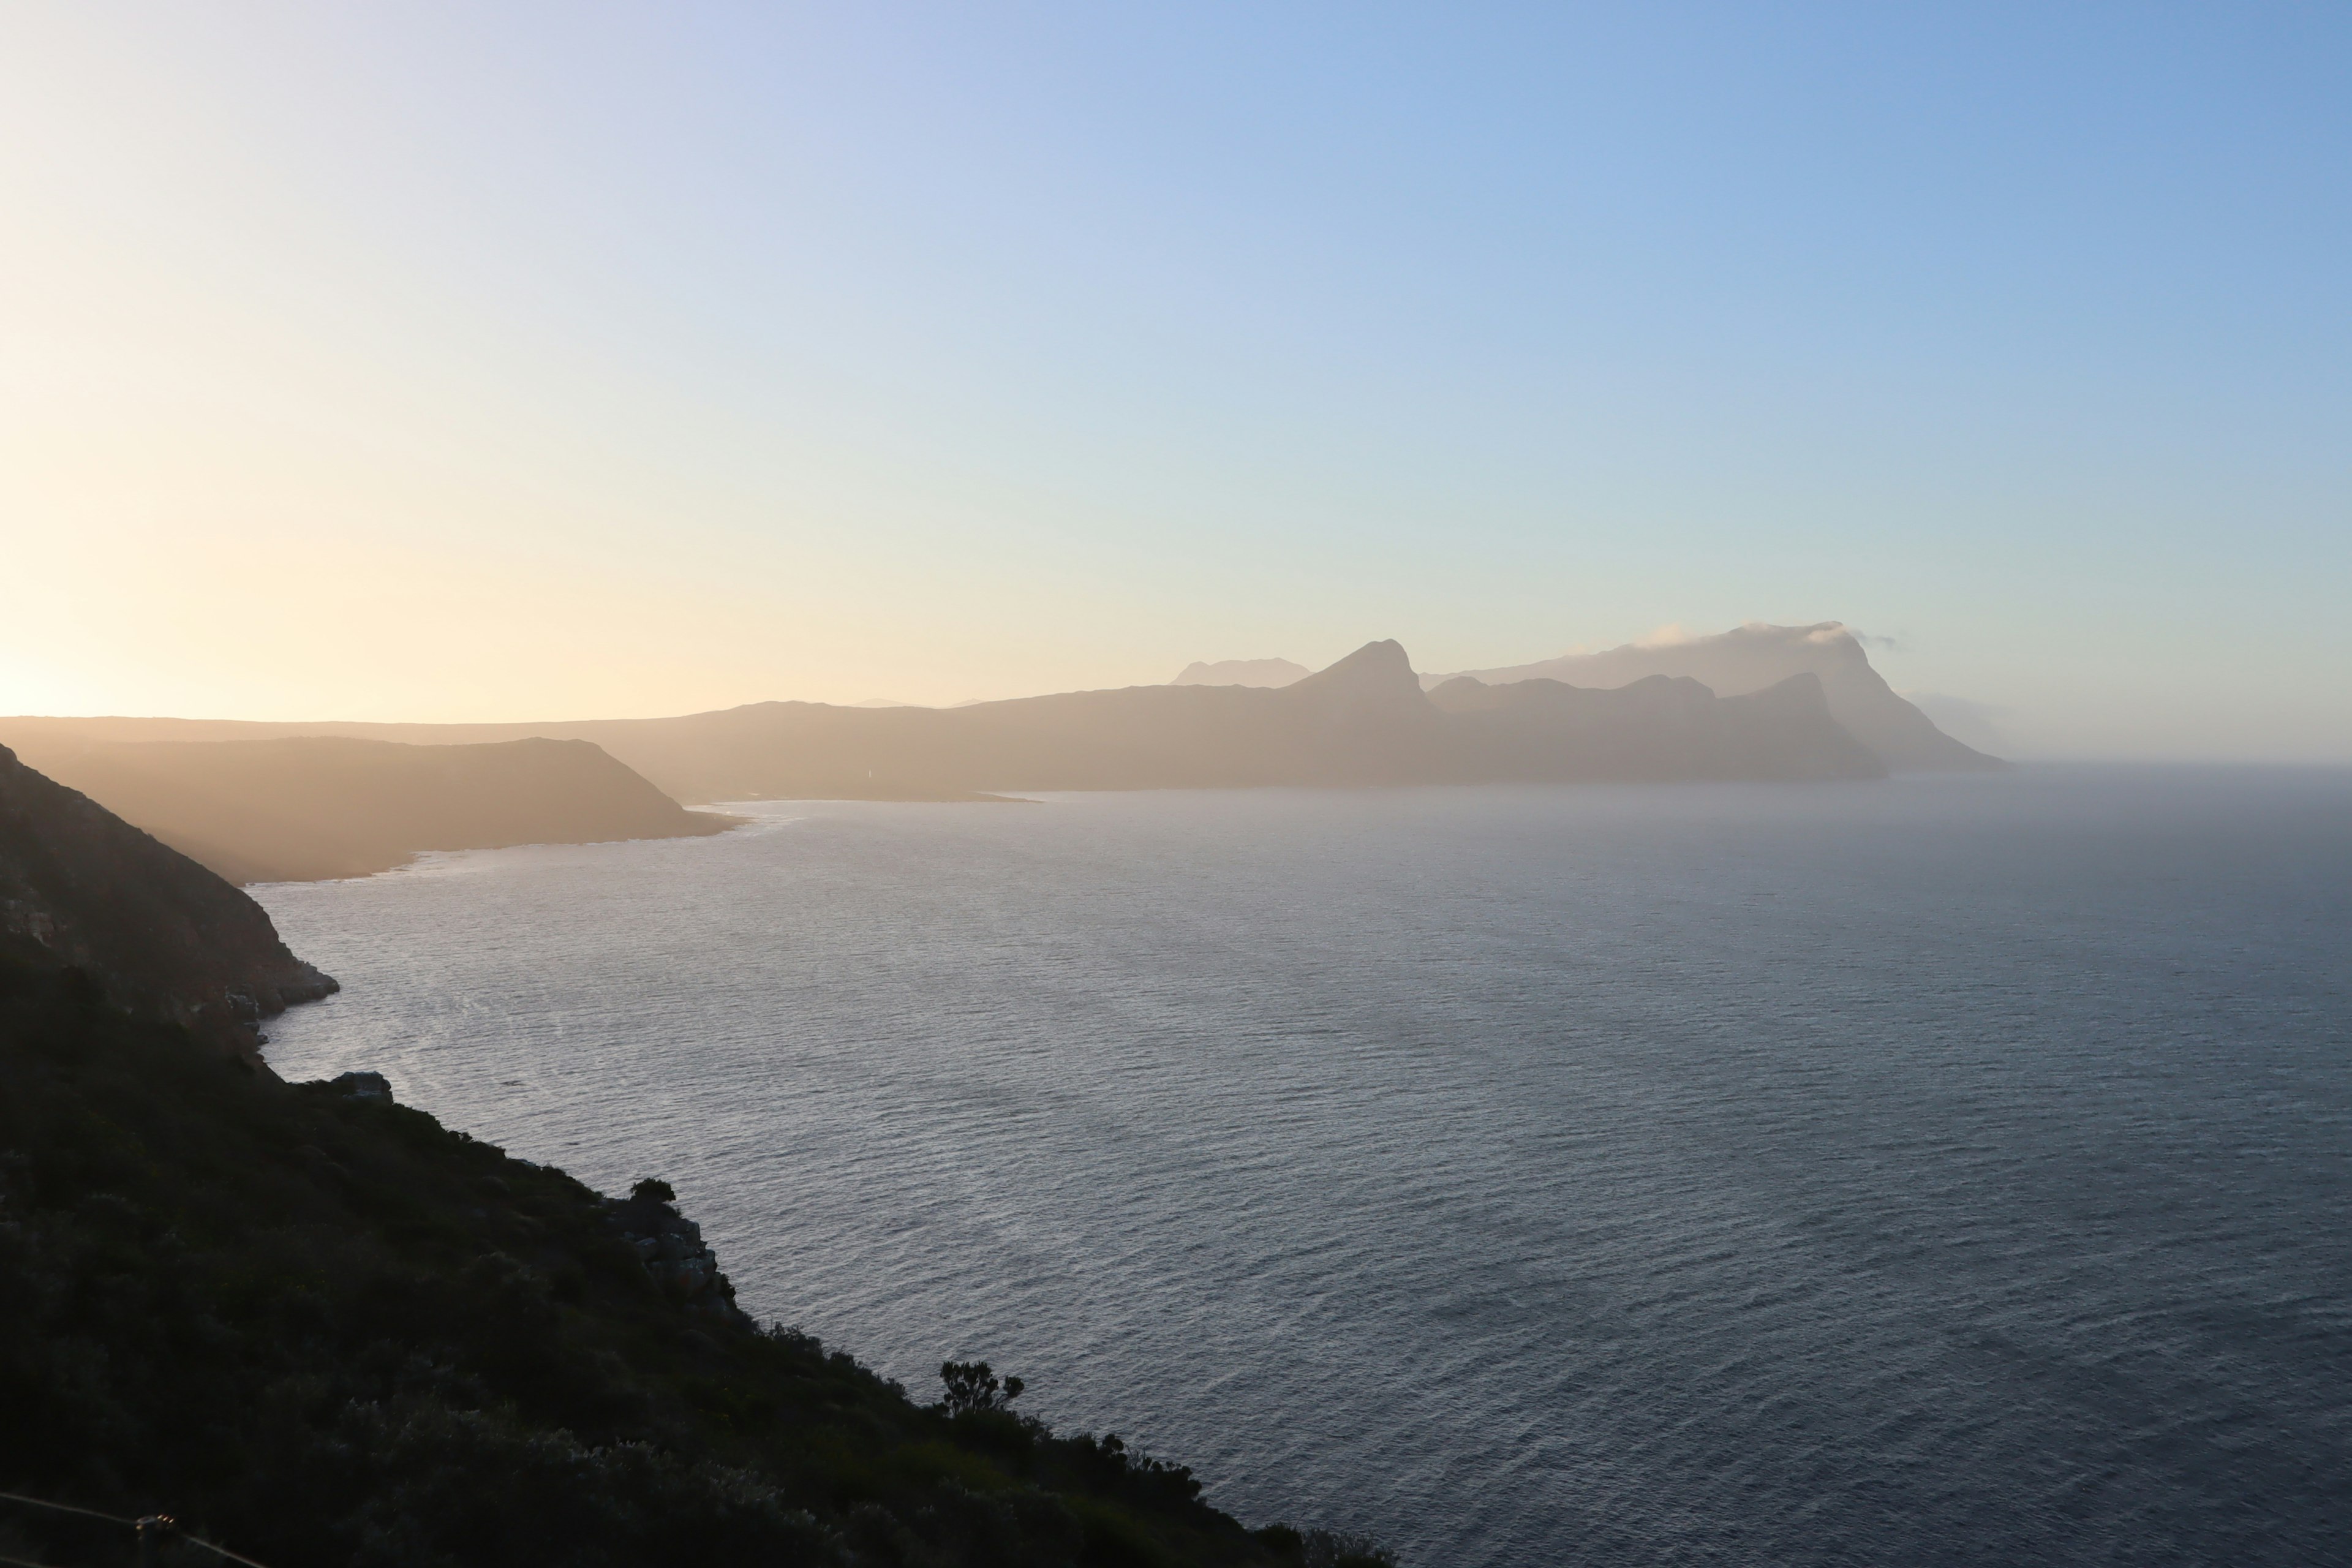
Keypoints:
pixel 302 808
pixel 1364 721
pixel 321 1329
pixel 1756 656
pixel 142 925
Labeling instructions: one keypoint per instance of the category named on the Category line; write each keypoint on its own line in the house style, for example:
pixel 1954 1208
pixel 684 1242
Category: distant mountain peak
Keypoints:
pixel 1382 668
pixel 1242 673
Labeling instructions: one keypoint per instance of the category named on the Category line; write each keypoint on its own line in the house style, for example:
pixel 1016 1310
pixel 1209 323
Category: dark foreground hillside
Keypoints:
pixel 324 1330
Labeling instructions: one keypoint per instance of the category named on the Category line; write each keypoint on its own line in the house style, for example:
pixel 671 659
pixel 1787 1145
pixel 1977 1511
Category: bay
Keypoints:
pixel 1941 1170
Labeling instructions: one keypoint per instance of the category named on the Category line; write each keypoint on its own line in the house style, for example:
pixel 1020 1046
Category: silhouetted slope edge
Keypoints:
pixel 1751 658
pixel 317 1327
pixel 301 809
pixel 1364 721
pixel 150 929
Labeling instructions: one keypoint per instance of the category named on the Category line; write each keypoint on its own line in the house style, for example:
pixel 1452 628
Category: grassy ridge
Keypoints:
pixel 329 1331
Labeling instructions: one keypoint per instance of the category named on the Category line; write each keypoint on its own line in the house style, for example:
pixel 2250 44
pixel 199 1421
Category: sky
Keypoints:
pixel 507 360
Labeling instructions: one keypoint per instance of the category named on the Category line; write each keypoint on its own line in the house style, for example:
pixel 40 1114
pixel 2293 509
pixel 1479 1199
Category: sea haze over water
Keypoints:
pixel 1935 1172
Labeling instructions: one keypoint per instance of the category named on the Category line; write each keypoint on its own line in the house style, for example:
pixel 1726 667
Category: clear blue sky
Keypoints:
pixel 517 361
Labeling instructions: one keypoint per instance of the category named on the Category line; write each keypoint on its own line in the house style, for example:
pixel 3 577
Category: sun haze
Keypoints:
pixel 540 361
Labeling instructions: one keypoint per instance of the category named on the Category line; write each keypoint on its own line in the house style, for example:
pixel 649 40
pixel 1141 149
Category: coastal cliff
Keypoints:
pixel 303 809
pixel 147 929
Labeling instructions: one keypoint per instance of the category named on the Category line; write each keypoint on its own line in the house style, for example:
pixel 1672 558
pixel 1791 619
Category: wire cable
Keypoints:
pixel 222 1551
pixel 69 1508
pixel 115 1518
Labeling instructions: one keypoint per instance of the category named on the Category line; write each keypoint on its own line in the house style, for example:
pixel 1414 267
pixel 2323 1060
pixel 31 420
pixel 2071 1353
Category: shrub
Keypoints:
pixel 973 1388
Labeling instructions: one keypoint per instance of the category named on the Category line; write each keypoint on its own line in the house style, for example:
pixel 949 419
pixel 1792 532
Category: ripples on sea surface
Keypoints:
pixel 1946 1171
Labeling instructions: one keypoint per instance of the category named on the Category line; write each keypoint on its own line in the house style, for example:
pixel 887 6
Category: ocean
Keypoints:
pixel 1939 1171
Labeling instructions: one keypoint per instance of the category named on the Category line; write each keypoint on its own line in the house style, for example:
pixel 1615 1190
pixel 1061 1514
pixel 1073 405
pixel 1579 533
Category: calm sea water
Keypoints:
pixel 1936 1171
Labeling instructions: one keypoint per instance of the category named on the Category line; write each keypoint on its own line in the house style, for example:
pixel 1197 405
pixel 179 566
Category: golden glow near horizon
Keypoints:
pixel 506 364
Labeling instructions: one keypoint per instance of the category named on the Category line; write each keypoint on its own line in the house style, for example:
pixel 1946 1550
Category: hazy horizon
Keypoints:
pixel 1983 726
pixel 529 363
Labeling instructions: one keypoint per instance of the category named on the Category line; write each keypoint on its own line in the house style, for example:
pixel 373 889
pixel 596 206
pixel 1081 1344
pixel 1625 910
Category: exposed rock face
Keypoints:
pixel 1754 656
pixel 362 1086
pixel 156 933
pixel 680 1261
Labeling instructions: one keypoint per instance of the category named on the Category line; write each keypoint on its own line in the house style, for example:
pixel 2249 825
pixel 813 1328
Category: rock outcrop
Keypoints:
pixel 673 1251
pixel 362 1086
pixel 154 933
